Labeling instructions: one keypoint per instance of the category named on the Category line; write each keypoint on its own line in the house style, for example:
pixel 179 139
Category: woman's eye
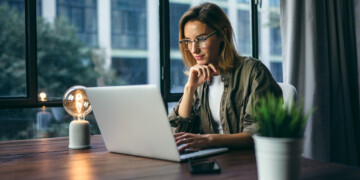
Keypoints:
pixel 201 38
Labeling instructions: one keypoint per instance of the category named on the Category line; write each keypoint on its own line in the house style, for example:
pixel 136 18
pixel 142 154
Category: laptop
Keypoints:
pixel 133 121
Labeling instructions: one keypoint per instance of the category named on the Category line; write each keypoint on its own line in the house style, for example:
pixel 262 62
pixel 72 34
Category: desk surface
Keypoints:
pixel 51 159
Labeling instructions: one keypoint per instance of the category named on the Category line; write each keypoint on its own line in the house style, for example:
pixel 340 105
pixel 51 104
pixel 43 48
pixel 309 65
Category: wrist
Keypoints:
pixel 189 88
pixel 211 139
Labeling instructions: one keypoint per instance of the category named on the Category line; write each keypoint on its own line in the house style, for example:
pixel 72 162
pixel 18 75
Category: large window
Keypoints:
pixel 105 43
pixel 75 43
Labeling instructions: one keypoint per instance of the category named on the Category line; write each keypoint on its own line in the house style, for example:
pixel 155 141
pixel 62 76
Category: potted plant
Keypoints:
pixel 279 140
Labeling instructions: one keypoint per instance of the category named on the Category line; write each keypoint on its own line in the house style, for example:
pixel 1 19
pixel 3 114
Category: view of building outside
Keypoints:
pixel 104 43
pixel 270 51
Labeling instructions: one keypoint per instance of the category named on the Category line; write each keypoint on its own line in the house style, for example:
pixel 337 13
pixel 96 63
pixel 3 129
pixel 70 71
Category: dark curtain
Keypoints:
pixel 320 60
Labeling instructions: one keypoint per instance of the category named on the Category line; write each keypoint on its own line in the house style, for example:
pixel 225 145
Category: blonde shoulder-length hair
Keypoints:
pixel 214 17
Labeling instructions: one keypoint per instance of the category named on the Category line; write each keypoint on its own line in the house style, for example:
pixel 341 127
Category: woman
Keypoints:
pixel 222 88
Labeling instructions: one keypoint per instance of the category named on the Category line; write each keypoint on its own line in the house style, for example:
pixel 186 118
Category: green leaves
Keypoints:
pixel 276 121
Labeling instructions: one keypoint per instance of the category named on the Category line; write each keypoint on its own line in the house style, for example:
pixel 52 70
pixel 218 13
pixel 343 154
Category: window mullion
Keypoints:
pixel 31 51
pixel 165 50
pixel 254 29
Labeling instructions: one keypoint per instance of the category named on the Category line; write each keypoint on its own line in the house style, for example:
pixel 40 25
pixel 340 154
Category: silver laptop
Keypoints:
pixel 133 120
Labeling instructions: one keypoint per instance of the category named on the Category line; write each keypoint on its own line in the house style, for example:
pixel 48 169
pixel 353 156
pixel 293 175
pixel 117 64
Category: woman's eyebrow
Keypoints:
pixel 203 34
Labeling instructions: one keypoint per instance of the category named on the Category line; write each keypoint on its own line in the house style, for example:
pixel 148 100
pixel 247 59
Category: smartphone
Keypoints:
pixel 204 166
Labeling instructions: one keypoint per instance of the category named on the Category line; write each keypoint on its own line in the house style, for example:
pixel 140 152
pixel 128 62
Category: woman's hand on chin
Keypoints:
pixel 201 73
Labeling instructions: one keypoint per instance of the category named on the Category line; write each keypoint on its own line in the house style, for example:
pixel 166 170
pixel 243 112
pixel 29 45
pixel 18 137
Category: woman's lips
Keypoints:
pixel 199 57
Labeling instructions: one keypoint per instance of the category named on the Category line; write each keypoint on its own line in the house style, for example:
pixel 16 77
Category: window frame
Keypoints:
pixel 31 100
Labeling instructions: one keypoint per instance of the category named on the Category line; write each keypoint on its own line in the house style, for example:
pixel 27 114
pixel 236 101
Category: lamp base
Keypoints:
pixel 79 147
pixel 79 134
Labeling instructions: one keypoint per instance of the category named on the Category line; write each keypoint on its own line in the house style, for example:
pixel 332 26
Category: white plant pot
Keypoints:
pixel 278 158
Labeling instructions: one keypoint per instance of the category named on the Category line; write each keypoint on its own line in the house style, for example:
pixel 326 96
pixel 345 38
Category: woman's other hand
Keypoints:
pixel 192 141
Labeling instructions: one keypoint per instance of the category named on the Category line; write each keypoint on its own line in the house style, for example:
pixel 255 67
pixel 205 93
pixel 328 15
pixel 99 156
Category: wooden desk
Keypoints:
pixel 51 159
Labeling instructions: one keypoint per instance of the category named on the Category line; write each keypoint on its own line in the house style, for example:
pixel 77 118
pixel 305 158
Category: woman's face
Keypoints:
pixel 211 52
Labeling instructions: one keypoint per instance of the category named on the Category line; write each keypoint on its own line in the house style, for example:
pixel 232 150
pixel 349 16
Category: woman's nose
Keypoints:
pixel 194 48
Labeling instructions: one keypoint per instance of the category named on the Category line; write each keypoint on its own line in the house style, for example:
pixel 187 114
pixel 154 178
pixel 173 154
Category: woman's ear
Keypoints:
pixel 225 31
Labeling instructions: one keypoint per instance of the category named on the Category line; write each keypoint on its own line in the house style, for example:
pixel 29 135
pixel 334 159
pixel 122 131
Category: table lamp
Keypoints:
pixel 77 104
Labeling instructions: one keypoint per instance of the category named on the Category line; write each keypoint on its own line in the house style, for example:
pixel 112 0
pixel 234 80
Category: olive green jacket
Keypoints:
pixel 242 88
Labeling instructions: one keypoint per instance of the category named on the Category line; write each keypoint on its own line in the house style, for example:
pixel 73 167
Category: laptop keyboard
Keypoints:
pixel 201 153
pixel 186 152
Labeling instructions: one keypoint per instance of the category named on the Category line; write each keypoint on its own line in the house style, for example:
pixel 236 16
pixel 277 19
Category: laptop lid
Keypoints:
pixel 133 120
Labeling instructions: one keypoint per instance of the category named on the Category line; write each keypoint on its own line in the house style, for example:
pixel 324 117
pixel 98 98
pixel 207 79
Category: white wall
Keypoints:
pixel 104 29
pixel 48 10
pixel 153 42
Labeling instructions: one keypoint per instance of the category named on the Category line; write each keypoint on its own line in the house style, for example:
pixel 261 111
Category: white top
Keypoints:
pixel 216 90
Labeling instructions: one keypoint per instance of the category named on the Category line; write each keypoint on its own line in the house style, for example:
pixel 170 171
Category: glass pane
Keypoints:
pixel 177 67
pixel 83 15
pixel 270 50
pixel 243 31
pixel 97 43
pixel 238 13
pixel 12 49
pixel 128 20
pixel 38 123
pixel 171 106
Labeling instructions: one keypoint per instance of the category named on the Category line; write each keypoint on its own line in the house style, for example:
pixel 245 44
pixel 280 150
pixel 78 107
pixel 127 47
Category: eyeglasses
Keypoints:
pixel 200 42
